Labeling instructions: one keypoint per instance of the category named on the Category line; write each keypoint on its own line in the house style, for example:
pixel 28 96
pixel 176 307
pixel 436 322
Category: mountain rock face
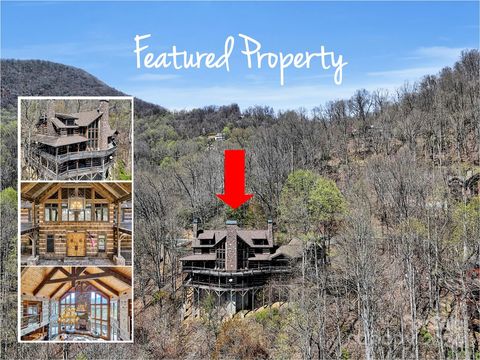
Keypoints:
pixel 46 78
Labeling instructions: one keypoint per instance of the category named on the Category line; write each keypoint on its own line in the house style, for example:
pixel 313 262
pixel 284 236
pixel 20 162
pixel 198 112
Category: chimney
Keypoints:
pixel 231 246
pixel 50 116
pixel 104 126
pixel 195 228
pixel 270 232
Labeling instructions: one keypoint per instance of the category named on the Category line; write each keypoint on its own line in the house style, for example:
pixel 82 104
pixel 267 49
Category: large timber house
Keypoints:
pixel 76 223
pixel 232 265
pixel 76 146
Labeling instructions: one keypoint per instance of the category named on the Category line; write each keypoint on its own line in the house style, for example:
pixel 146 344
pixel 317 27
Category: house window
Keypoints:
pixel 50 243
pixel 32 313
pixel 88 212
pixel 66 302
pixel 53 330
pixel 51 212
pixel 101 212
pixel 114 316
pixel 77 215
pixel 126 215
pixel 93 135
pixel 242 255
pixel 102 239
pixel 99 314
pixel 220 260
pixel 69 132
pixel 114 310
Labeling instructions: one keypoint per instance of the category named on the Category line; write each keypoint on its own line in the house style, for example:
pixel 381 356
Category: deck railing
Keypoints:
pixel 225 286
pixel 250 271
pixel 82 170
pixel 30 320
pixel 86 154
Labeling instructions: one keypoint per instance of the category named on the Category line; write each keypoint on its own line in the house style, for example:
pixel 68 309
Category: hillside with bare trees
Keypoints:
pixel 386 184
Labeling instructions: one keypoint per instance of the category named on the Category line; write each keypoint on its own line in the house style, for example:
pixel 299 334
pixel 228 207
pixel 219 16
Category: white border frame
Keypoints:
pixel 19 215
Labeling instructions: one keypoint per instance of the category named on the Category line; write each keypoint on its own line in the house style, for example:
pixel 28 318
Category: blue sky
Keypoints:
pixel 384 43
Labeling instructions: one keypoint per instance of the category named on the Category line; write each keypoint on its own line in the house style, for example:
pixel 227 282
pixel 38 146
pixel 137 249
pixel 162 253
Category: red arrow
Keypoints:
pixel 234 179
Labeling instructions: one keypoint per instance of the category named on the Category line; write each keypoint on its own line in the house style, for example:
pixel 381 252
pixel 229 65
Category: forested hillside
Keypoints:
pixel 45 78
pixel 400 277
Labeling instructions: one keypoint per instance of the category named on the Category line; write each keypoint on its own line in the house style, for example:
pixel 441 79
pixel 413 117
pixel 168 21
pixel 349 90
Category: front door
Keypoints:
pixel 76 244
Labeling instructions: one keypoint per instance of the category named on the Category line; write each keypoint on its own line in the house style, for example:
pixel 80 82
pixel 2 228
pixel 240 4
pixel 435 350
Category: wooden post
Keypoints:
pixel 118 228
pixel 35 234
pixel 56 161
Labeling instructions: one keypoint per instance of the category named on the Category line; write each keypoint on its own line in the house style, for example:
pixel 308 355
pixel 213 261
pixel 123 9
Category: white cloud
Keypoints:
pixel 427 61
pixel 408 73
pixel 439 53
pixel 280 98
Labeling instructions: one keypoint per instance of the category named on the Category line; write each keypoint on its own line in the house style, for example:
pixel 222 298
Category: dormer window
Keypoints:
pixel 260 242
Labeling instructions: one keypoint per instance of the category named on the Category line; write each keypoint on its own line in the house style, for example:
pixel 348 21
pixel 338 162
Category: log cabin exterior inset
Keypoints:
pixel 76 146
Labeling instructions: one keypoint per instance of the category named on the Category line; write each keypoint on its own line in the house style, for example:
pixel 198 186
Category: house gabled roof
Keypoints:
pixel 58 123
pixel 294 249
pixel 57 141
pixel 246 235
pixel 199 257
pixel 85 118
pixel 249 235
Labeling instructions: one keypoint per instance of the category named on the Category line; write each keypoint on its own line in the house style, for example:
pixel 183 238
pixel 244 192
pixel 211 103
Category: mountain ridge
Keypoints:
pixel 46 78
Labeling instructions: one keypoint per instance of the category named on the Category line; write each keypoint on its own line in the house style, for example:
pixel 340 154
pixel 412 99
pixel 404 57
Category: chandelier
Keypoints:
pixel 69 316
pixel 76 203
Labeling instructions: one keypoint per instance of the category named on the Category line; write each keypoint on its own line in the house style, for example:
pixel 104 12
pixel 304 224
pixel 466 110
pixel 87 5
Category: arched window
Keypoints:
pixel 99 314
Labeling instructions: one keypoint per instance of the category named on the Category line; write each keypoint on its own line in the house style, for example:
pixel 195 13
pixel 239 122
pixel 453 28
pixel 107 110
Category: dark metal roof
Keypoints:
pixel 85 118
pixel 199 257
pixel 57 141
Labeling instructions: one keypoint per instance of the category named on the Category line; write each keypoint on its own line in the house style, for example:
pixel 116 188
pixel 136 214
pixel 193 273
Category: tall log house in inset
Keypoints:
pixel 76 146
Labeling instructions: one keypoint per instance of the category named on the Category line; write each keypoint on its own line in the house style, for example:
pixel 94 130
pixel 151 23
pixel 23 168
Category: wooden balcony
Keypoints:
pixel 223 287
pixel 87 154
pixel 69 173
pixel 240 272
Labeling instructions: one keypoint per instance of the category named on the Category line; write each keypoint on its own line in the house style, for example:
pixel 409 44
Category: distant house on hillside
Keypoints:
pixel 216 137
pixel 233 265
pixel 75 146
pixel 468 186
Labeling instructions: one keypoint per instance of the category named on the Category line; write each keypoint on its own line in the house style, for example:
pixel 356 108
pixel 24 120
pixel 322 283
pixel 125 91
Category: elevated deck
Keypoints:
pixel 223 273
pixel 78 155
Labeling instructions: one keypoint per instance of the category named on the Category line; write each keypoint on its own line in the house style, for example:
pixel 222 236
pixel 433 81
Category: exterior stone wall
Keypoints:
pixel 103 125
pixel 231 247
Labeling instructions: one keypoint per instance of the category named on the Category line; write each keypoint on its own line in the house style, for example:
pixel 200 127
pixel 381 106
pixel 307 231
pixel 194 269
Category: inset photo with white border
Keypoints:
pixel 76 304
pixel 76 138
